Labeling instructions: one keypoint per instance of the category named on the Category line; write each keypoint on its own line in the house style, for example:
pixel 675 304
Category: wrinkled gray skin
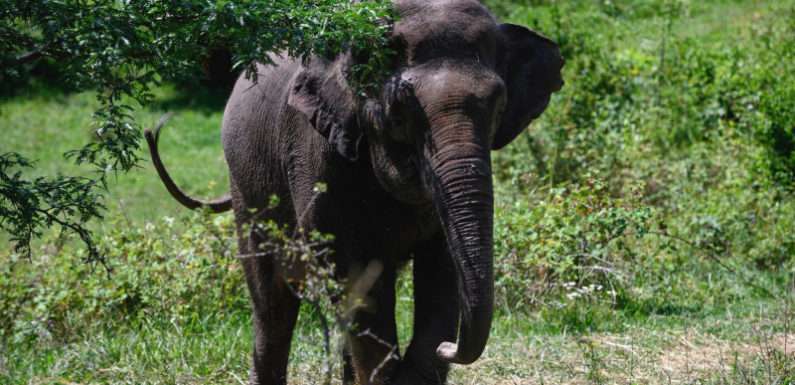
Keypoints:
pixel 408 175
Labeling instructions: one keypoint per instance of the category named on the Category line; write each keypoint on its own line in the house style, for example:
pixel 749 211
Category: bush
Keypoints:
pixel 175 269
pixel 687 141
pixel 777 133
pixel 568 239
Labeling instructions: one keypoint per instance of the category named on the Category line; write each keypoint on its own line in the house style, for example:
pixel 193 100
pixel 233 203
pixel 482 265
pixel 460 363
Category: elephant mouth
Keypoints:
pixel 397 169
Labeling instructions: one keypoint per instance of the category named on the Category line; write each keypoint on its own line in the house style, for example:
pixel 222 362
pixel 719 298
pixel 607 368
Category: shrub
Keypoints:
pixel 177 269
pixel 777 132
pixel 569 239
pixel 686 139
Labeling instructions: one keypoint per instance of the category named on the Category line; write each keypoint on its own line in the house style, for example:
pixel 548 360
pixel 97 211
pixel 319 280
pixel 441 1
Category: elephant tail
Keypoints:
pixel 217 205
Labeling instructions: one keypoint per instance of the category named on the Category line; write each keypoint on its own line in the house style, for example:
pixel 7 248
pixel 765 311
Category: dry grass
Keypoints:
pixel 701 354
pixel 642 357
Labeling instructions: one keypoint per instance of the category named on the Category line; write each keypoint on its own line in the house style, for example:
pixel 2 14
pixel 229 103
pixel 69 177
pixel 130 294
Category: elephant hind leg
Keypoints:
pixel 274 320
pixel 274 316
pixel 275 307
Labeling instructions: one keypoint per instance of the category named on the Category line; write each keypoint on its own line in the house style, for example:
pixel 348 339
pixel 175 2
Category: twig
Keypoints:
pixel 300 221
pixel 392 355
pixel 93 254
pixel 30 56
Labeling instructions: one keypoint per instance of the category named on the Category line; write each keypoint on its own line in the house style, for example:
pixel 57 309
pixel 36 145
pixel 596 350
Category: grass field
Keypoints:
pixel 45 123
pixel 644 225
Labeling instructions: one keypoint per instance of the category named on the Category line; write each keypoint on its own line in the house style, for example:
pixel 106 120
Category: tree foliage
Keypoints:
pixel 30 205
pixel 122 48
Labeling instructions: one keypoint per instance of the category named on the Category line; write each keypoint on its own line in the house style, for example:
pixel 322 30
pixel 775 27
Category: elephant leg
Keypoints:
pixel 373 338
pixel 275 311
pixel 348 376
pixel 274 321
pixel 435 315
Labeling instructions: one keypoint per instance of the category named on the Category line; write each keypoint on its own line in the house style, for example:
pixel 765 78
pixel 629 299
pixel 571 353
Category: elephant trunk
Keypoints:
pixel 460 178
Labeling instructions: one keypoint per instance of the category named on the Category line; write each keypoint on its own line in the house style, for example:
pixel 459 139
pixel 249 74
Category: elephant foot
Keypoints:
pixel 409 373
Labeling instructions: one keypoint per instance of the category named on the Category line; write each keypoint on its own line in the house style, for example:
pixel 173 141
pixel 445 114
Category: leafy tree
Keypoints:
pixel 123 48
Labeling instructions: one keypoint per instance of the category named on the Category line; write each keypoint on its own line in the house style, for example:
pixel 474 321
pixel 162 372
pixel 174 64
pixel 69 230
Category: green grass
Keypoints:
pixel 696 288
pixel 43 124
pixel 705 348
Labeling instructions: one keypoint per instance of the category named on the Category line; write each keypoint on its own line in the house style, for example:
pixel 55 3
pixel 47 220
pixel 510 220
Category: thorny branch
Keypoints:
pixel 392 355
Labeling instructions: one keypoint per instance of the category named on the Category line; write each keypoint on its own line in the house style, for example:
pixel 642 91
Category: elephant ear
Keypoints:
pixel 321 93
pixel 530 67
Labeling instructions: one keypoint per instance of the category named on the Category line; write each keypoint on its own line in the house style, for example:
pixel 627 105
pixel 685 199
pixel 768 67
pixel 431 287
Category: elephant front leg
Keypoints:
pixel 372 340
pixel 435 316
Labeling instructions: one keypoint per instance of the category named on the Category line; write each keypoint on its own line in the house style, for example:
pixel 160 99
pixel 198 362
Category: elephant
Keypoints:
pixel 407 174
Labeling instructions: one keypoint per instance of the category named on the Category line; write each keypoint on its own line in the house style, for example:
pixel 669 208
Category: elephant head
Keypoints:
pixel 463 85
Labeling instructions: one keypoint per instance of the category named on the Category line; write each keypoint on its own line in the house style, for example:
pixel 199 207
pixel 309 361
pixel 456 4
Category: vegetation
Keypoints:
pixel 124 49
pixel 644 225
